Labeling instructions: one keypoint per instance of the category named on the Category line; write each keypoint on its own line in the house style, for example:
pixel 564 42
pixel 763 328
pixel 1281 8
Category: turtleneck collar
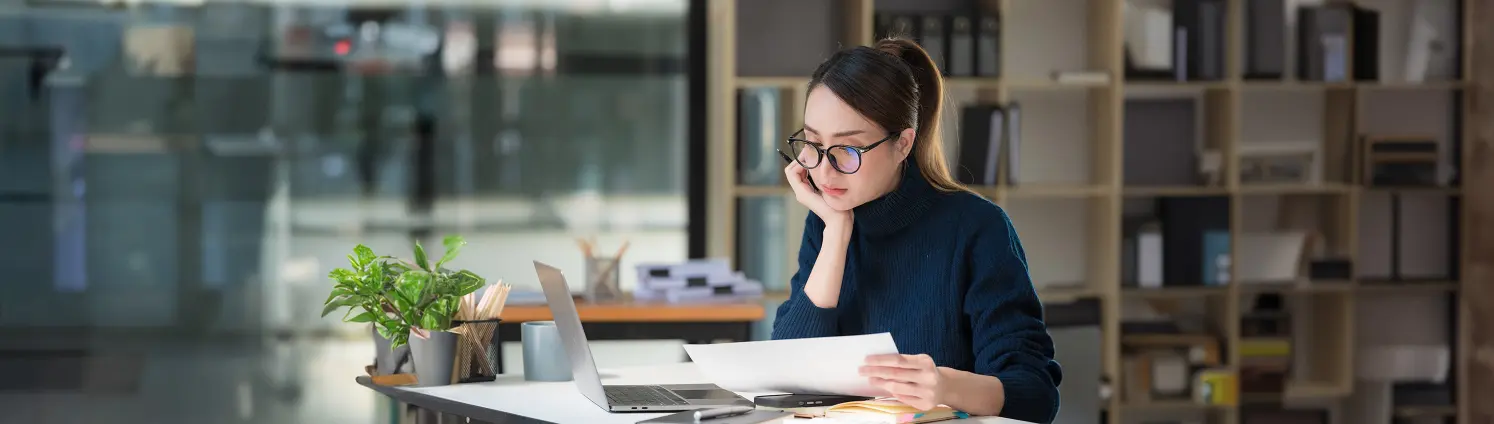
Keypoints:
pixel 898 208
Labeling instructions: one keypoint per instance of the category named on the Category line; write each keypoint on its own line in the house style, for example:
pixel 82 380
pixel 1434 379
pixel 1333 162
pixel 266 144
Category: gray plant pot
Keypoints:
pixel 434 358
pixel 388 360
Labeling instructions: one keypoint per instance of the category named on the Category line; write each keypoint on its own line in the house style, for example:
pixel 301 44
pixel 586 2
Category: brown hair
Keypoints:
pixel 896 85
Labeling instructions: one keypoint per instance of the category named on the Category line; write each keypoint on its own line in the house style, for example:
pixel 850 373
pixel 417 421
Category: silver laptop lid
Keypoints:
pixel 563 309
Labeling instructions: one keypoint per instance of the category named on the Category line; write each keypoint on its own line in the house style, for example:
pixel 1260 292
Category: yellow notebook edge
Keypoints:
pixel 902 412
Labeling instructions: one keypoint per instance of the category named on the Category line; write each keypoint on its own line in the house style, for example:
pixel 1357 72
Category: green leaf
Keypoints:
pixel 396 268
pixel 335 293
pixel 342 275
pixel 363 317
pixel 420 259
pixel 467 282
pixel 338 302
pixel 402 302
pixel 412 284
pixel 453 244
pixel 431 321
pixel 365 255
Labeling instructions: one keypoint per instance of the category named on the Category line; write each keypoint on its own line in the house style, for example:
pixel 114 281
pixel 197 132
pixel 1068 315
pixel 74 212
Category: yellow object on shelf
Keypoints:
pixel 1216 387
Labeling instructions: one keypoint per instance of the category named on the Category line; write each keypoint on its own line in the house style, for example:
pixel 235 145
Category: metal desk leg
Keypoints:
pixel 426 416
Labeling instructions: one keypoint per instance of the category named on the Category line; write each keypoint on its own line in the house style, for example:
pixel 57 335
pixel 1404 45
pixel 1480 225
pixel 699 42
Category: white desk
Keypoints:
pixel 510 399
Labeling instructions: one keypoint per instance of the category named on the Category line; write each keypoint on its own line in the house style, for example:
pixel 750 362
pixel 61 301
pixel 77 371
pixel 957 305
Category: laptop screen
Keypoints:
pixel 568 321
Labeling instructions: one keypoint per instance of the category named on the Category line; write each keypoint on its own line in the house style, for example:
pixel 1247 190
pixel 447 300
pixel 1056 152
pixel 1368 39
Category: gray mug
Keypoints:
pixel 544 355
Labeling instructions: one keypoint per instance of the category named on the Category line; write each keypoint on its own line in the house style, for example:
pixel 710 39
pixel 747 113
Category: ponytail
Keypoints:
pixel 928 148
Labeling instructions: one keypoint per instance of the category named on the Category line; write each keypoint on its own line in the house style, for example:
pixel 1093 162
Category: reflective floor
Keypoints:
pixel 127 379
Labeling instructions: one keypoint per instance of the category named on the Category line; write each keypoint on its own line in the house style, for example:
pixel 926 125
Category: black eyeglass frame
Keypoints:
pixel 821 150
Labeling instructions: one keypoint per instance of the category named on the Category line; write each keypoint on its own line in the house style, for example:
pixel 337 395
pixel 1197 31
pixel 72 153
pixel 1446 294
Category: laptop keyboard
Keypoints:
pixel 641 396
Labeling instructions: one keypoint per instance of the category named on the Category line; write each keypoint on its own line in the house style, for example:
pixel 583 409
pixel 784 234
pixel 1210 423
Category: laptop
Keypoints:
pixel 619 398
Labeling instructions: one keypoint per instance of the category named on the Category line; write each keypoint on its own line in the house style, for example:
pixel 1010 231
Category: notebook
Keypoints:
pixel 891 411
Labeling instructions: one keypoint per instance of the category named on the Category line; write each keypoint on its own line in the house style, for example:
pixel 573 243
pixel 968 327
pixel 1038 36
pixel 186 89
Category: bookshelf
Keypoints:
pixel 1080 176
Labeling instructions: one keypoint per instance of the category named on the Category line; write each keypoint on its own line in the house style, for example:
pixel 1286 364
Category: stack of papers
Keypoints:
pixel 826 365
pixel 694 281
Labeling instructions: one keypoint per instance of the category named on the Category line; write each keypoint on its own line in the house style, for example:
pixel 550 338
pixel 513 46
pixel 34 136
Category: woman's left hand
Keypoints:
pixel 913 379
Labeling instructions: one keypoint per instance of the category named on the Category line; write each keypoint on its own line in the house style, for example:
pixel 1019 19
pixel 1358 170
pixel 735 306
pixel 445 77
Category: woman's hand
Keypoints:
pixel 798 178
pixel 912 379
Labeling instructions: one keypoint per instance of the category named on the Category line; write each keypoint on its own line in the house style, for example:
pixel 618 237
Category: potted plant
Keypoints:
pixel 403 299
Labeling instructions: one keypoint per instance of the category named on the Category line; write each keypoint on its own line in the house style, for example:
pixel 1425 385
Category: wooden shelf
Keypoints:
pixel 763 191
pixel 1048 84
pixel 1267 189
pixel 1293 85
pixel 1174 86
pixel 967 83
pixel 1175 191
pixel 1067 293
pixel 1450 191
pixel 1173 405
pixel 1423 412
pixel 1428 85
pixel 643 312
pixel 1298 288
pixel 781 82
pixel 1054 191
pixel 1298 392
pixel 1183 292
pixel 1408 287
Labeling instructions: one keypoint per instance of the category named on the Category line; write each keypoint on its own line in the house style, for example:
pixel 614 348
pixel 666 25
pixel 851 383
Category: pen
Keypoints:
pixel 721 412
pixel 788 159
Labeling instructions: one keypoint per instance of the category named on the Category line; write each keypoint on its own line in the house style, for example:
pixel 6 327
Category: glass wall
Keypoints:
pixel 185 176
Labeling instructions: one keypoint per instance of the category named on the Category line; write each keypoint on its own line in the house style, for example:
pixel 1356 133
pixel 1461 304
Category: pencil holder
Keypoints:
pixel 602 275
pixel 477 350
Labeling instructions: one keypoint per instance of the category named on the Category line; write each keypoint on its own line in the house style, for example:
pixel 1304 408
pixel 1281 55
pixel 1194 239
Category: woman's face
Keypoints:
pixel 828 122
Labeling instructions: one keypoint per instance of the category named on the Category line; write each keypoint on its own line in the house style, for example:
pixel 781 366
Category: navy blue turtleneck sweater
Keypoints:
pixel 944 273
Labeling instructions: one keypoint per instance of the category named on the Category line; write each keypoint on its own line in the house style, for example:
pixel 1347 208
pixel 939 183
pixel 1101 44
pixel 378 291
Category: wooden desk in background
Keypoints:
pixel 636 320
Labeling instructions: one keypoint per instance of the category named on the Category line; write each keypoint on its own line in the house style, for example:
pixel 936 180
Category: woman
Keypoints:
pixel 893 244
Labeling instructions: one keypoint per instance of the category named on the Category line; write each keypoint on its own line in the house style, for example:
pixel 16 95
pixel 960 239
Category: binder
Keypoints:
pixel 1013 142
pixel 1208 53
pixel 1150 248
pixel 933 36
pixel 981 134
pixel 1185 224
pixel 1180 53
pixel 1323 43
pixel 1366 54
pixel 988 47
pixel 1202 49
pixel 1265 39
pixel 961 46
pixel 759 126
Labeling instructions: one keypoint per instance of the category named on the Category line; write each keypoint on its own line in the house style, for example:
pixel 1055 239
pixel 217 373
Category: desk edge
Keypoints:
pixel 446 406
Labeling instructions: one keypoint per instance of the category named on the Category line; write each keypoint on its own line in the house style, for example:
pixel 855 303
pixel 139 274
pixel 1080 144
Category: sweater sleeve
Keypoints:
pixel 1011 342
pixel 798 317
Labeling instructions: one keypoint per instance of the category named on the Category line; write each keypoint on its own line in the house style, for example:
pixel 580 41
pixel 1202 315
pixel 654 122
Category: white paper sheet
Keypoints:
pixel 826 365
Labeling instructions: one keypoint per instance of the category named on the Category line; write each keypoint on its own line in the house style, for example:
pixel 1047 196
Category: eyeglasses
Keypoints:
pixel 844 158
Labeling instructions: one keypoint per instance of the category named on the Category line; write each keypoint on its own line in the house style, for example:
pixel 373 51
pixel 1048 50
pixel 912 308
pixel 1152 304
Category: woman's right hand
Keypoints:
pixel 798 178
